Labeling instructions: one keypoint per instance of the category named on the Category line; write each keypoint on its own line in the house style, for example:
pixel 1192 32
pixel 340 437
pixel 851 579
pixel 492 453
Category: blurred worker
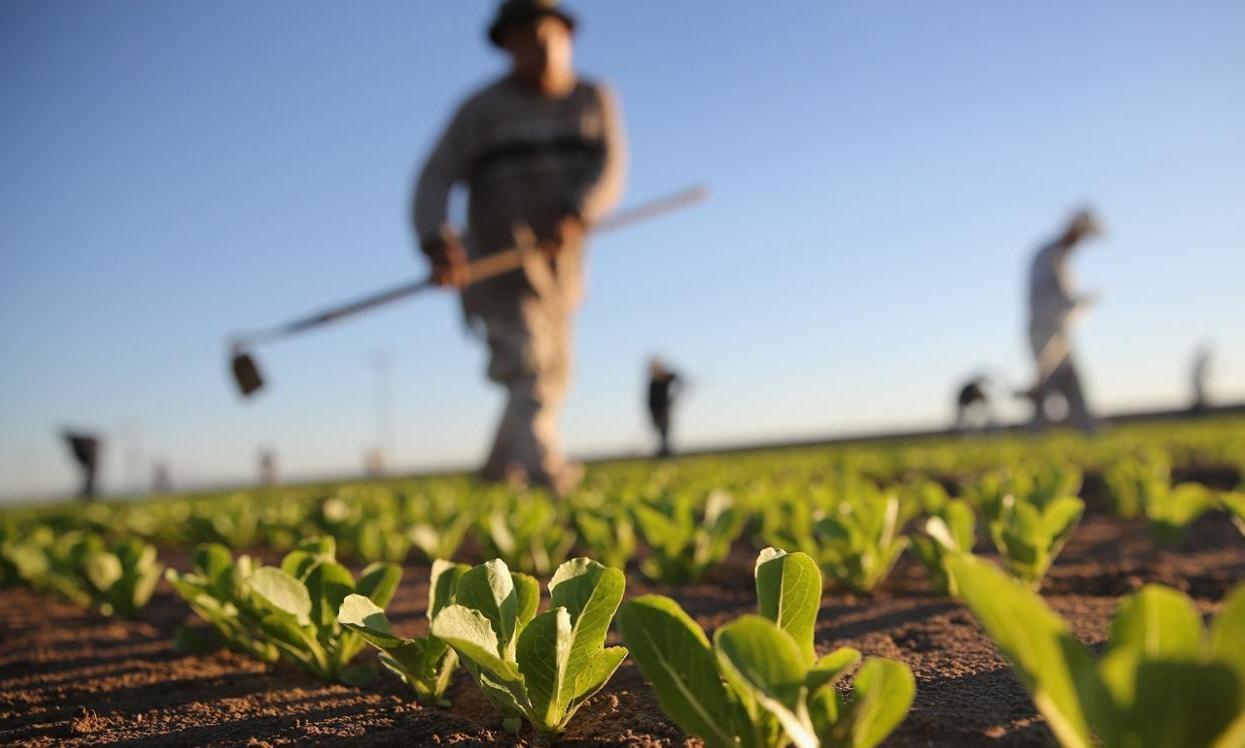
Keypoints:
pixel 267 467
pixel 972 406
pixel 1053 303
pixel 543 151
pixel 161 478
pixel 1201 377
pixel 664 387
pixel 85 449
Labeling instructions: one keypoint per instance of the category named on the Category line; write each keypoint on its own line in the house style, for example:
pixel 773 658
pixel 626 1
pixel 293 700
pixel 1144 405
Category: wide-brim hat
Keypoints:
pixel 1086 223
pixel 516 12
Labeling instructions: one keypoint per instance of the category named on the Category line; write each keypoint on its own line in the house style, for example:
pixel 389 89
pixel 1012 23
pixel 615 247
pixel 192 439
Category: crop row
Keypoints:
pixel 853 528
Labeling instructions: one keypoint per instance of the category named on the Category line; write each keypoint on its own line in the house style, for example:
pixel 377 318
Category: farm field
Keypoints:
pixel 1157 509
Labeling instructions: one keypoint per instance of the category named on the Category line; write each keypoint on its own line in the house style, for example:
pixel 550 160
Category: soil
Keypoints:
pixel 70 677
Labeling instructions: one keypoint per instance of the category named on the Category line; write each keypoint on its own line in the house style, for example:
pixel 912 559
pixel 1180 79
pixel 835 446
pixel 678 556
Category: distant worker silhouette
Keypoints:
pixel 972 405
pixel 85 449
pixel 543 150
pixel 664 387
pixel 267 467
pixel 1201 377
pixel 1053 305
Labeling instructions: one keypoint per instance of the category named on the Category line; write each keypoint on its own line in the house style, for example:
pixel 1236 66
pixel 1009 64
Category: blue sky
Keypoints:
pixel 881 174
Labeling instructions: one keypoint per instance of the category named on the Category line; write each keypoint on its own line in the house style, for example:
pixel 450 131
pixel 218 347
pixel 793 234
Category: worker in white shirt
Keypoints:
pixel 1053 304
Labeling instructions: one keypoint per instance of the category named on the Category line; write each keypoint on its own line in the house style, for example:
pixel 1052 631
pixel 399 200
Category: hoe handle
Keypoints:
pixel 482 269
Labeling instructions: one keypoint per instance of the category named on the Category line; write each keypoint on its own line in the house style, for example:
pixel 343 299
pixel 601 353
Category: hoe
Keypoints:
pixel 246 372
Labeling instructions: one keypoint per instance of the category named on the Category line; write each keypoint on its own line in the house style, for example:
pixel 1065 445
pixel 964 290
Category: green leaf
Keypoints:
pixel 527 595
pixel 962 523
pixel 764 661
pixel 595 675
pixel 360 614
pixel 445 576
pixel 789 594
pixel 1158 623
pixel 590 593
pixel 1227 633
pixel 283 592
pixel 104 570
pixel 674 655
pixel 883 690
pixel 1182 704
pixel 489 589
pixel 542 652
pixel 824 707
pixel 471 633
pixel 214 562
pixel 1061 517
pixel 831 668
pixel 379 582
pixel 327 584
pixel 296 644
pixel 1047 660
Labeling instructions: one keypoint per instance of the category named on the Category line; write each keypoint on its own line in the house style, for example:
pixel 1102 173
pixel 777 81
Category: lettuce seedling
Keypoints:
pixel 82 568
pixel 533 534
pixel 216 590
pixel 608 534
pixel 681 549
pixel 424 663
pixel 538 668
pixel 760 684
pixel 1132 479
pixel 122 579
pixel 1029 538
pixel 949 531
pixel 1143 486
pixel 304 596
pixel 1170 510
pixel 441 539
pixel 1163 680
pixel 860 541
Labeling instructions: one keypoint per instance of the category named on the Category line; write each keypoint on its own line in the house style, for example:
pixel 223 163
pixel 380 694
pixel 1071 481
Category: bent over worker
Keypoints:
pixel 542 155
pixel 1053 304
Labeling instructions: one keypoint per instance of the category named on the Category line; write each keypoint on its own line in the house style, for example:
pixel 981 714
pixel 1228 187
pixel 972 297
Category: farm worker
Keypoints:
pixel 1201 376
pixel 972 405
pixel 1053 303
pixel 664 387
pixel 85 449
pixel 542 153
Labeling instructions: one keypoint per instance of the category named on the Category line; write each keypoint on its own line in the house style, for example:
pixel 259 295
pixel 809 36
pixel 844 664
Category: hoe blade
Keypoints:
pixel 246 373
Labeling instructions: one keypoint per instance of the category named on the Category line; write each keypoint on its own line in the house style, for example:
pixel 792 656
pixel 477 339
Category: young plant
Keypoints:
pixel 1170 510
pixel 424 663
pixel 760 684
pixel 217 591
pixel 1131 479
pixel 82 568
pixel 607 534
pixel 1029 538
pixel 951 530
pixel 538 668
pixel 533 534
pixel 681 549
pixel 1161 681
pixel 441 538
pixel 122 578
pixel 305 595
pixel 861 541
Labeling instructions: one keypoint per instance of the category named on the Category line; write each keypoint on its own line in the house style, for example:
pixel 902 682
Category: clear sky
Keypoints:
pixel 882 172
